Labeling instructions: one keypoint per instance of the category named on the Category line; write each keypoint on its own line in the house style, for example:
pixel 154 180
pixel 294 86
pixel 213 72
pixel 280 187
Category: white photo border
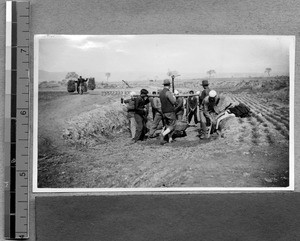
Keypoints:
pixel 291 186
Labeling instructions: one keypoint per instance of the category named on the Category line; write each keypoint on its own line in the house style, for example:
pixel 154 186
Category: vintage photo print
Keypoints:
pixel 163 113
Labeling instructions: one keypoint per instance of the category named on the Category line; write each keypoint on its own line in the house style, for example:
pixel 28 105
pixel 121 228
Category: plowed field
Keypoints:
pixel 253 153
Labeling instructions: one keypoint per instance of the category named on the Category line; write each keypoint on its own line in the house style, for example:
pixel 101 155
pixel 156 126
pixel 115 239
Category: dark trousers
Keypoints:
pixel 191 114
pixel 153 113
pixel 140 127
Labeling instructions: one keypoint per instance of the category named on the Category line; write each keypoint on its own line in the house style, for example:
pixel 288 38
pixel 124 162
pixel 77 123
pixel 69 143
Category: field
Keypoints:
pixel 84 141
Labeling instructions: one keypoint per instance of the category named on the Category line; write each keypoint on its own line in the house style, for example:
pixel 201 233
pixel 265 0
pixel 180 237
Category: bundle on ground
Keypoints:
pixel 71 86
pixel 91 84
pixel 96 126
pixel 85 87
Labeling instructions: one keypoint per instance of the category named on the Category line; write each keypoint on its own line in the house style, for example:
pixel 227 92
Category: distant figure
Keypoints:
pixel 179 109
pixel 192 104
pixel 168 101
pixel 80 81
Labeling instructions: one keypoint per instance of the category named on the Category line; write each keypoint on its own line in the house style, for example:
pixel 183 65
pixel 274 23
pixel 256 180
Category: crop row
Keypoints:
pixel 266 117
pixel 268 114
pixel 280 113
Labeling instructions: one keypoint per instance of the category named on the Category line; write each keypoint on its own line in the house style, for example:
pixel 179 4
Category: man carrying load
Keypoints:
pixel 206 109
pixel 130 106
pixel 204 93
pixel 140 115
pixel 179 108
pixel 168 101
pixel 156 107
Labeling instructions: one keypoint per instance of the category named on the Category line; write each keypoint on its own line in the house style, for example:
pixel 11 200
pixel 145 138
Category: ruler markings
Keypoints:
pixel 16 113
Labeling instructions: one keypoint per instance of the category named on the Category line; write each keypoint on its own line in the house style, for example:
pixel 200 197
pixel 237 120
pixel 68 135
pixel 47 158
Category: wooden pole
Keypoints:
pixel 173 87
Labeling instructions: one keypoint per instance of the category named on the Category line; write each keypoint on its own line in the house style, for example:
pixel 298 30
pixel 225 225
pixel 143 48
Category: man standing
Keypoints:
pixel 208 107
pixel 168 101
pixel 140 115
pixel 192 103
pixel 130 104
pixel 158 116
pixel 151 102
pixel 179 109
pixel 204 93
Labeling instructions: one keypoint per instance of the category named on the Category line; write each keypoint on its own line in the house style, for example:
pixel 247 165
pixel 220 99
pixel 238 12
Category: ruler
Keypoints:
pixel 16 133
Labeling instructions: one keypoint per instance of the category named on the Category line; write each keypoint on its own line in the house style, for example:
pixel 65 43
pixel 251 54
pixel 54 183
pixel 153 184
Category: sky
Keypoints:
pixel 157 54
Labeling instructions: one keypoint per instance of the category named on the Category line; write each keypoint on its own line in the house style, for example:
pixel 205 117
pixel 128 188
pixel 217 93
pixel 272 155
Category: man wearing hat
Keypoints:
pixel 168 101
pixel 208 107
pixel 140 115
pixel 204 93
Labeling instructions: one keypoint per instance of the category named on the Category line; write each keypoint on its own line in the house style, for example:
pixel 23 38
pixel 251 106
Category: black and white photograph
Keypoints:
pixel 163 113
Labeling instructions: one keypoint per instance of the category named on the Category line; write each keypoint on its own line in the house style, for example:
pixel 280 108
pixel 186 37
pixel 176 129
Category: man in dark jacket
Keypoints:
pixel 192 103
pixel 168 101
pixel 205 92
pixel 140 115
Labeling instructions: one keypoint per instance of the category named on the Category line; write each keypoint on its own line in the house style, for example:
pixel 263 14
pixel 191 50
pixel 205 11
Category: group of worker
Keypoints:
pixel 168 110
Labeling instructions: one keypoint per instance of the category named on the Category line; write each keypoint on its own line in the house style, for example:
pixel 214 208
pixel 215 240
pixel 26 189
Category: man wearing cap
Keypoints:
pixel 192 103
pixel 130 105
pixel 168 101
pixel 179 109
pixel 140 115
pixel 208 107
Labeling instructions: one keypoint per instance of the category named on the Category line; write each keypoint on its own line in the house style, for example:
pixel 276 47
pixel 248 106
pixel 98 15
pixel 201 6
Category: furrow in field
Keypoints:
pixel 266 120
pixel 272 117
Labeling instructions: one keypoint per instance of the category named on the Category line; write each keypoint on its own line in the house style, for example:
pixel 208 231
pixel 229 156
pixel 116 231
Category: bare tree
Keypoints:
pixel 268 70
pixel 107 75
pixel 211 72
